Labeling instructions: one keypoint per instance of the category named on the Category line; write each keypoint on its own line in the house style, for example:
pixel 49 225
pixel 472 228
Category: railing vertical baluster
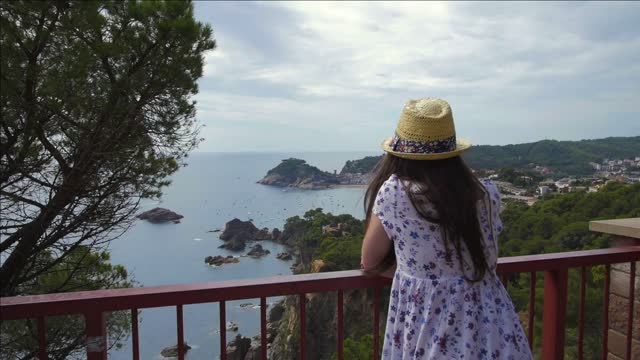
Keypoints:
pixel 134 334
pixel 376 322
pixel 42 338
pixel 554 314
pixel 632 288
pixel 532 307
pixel 340 318
pixel 263 327
pixel 583 285
pixel 303 320
pixel 223 331
pixel 180 332
pixel 96 331
pixel 605 312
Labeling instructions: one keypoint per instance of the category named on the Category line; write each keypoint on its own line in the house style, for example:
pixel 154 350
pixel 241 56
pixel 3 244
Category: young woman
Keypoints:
pixel 432 225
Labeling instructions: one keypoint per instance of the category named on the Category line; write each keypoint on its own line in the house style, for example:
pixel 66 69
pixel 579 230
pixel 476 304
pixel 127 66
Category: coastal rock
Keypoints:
pixel 237 228
pixel 263 234
pixel 297 269
pixel 160 216
pixel 276 312
pixel 272 331
pixel 236 233
pixel 236 244
pixel 255 349
pixel 257 251
pixel 238 348
pixel 233 327
pixel 317 266
pixel 284 256
pixel 172 351
pixel 275 234
pixel 219 260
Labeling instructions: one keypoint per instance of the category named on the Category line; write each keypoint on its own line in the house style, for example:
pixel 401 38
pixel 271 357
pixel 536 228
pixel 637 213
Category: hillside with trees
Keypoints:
pixel 564 157
pixel 568 157
pixel 556 223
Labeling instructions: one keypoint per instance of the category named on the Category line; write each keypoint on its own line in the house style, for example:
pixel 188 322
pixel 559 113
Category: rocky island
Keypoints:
pixel 172 351
pixel 160 216
pixel 297 173
pixel 236 233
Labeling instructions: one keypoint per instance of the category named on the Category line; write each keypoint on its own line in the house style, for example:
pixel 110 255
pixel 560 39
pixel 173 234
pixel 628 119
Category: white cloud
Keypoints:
pixel 512 65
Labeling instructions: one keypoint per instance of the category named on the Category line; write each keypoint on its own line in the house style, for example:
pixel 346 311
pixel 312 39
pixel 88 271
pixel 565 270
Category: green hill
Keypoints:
pixel 565 157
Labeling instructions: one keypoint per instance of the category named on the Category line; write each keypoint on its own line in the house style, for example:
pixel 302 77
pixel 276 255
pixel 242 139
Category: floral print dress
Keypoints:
pixel 434 313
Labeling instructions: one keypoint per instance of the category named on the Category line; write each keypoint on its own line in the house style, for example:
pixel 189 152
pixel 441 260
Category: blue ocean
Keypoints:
pixel 213 189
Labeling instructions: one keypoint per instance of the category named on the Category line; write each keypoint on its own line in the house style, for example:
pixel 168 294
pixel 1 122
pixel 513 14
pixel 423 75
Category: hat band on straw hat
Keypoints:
pixel 423 147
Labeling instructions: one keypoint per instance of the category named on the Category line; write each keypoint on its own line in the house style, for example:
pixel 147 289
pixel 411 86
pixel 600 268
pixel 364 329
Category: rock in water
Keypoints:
pixel 237 228
pixel 219 260
pixel 231 326
pixel 257 251
pixel 160 215
pixel 234 245
pixel 238 348
pixel 284 256
pixel 263 234
pixel 172 351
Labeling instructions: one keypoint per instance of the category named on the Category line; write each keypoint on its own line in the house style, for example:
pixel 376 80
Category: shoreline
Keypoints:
pixel 351 186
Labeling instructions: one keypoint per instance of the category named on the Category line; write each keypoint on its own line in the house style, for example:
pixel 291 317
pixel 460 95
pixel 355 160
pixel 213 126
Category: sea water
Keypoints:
pixel 213 189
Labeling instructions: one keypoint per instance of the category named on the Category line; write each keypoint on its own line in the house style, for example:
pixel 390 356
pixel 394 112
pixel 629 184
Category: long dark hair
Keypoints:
pixel 453 190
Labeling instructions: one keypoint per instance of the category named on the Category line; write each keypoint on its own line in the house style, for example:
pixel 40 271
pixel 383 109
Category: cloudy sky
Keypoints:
pixel 334 76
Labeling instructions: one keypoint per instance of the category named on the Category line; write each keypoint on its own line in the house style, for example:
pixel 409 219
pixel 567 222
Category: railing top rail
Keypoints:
pixel 18 307
pixel 567 260
pixel 170 295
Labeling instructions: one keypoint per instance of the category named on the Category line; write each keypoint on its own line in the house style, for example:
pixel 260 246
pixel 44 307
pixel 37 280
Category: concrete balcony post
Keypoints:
pixel 624 291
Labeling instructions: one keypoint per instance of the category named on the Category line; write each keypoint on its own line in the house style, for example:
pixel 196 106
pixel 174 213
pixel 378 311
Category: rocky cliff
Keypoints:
pixel 321 320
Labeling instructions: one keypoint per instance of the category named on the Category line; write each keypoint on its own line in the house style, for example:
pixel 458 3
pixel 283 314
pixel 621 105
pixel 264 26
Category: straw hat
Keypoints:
pixel 425 132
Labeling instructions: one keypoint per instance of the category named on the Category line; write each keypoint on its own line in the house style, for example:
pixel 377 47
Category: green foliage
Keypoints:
pixel 560 223
pixel 338 252
pixel 520 178
pixel 362 166
pixel 81 270
pixel 357 349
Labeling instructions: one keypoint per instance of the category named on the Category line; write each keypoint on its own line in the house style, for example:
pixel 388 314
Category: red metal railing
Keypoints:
pixel 95 304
